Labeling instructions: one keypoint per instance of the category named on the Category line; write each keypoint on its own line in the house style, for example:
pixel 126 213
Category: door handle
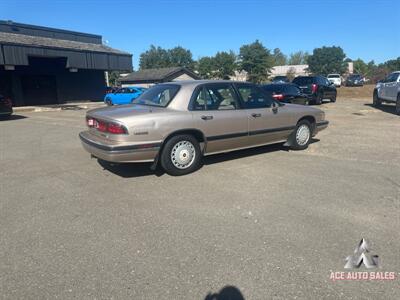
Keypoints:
pixel 205 118
pixel 254 115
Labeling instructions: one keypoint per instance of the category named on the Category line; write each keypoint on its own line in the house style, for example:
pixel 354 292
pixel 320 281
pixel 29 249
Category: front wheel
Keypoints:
pixel 333 99
pixel 376 100
pixel 398 105
pixel 181 155
pixel 301 136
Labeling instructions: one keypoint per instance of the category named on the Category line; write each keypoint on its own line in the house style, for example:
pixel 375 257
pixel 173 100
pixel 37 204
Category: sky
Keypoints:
pixel 364 29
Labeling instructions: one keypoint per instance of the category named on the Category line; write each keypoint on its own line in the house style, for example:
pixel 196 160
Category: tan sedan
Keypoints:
pixel 177 123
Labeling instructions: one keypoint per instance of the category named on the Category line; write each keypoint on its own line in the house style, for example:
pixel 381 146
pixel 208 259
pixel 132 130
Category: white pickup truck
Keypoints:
pixel 388 90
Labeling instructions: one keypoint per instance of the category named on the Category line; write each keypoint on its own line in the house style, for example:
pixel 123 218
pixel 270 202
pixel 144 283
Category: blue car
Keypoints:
pixel 123 95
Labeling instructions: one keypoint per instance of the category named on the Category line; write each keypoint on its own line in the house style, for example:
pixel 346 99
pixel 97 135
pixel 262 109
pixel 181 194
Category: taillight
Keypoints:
pixel 102 126
pixel 277 96
pixel 314 88
pixel 116 128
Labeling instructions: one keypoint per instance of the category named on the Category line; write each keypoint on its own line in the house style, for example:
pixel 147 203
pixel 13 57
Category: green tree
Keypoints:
pixel 224 64
pixel 155 57
pixel 113 77
pixel 256 60
pixel 180 57
pixel 327 60
pixel 205 67
pixel 278 58
pixel 298 58
pixel 392 65
pixel 360 67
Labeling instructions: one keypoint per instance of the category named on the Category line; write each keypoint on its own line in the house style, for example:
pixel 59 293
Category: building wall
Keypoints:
pixel 47 81
pixel 296 70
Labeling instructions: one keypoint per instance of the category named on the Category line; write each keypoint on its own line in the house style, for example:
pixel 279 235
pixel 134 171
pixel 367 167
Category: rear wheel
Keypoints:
pixel 318 101
pixel 376 100
pixel 181 155
pixel 398 105
pixel 333 99
pixel 301 136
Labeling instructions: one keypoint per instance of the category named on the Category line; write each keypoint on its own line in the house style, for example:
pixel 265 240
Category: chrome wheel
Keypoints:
pixel 183 154
pixel 303 135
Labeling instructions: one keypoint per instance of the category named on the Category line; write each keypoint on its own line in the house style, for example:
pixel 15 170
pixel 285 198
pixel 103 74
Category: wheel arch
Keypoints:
pixel 310 119
pixel 198 135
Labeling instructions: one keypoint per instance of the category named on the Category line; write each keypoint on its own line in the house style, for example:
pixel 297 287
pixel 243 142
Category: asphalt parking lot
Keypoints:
pixel 272 223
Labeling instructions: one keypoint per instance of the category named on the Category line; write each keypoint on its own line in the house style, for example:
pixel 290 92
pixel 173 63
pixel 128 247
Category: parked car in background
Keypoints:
pixel 355 80
pixel 286 93
pixel 177 123
pixel 336 79
pixel 280 79
pixel 6 108
pixel 111 89
pixel 123 95
pixel 317 88
pixel 388 90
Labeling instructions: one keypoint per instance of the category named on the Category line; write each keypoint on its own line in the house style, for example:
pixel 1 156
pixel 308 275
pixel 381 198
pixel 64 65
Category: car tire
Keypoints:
pixel 376 101
pixel 109 102
pixel 301 136
pixel 333 99
pixel 318 100
pixel 181 155
pixel 398 105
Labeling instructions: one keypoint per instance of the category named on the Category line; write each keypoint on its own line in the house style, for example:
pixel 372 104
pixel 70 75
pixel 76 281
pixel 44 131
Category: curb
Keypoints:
pixel 59 107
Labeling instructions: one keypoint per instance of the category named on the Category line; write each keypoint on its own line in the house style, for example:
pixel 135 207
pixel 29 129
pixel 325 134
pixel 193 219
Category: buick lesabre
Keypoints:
pixel 176 124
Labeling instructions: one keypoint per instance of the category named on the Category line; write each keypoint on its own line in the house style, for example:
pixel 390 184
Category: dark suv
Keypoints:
pixel 317 88
pixel 5 107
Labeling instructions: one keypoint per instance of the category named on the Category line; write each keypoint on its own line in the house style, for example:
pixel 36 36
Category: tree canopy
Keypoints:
pixel 298 58
pixel 256 60
pixel 327 60
pixel 278 58
pixel 157 57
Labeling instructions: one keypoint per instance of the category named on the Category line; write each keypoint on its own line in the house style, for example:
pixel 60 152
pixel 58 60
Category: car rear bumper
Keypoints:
pixel 119 152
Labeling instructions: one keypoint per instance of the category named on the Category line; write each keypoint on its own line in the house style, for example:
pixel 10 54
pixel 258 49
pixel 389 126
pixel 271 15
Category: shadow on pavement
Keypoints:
pixel 227 293
pixel 12 118
pixel 387 108
pixel 131 170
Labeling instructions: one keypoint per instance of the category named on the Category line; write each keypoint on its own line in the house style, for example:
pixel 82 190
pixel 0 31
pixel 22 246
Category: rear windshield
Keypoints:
pixel 304 80
pixel 354 76
pixel 333 76
pixel 272 88
pixel 159 95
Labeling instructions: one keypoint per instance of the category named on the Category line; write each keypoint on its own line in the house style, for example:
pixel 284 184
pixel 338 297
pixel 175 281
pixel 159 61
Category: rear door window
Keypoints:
pixel 253 97
pixel 215 97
